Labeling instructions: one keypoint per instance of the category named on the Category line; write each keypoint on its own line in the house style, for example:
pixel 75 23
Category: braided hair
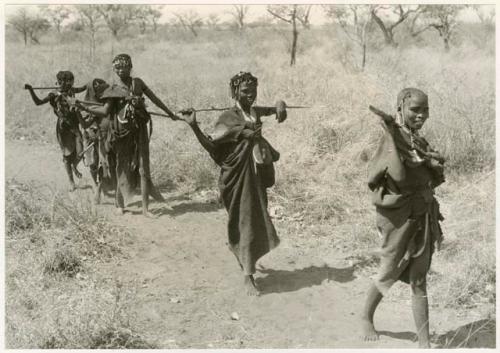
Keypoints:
pixel 407 93
pixel 63 75
pixel 403 96
pixel 122 60
pixel 238 79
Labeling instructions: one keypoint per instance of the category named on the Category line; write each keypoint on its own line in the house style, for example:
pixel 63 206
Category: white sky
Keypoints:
pixel 223 10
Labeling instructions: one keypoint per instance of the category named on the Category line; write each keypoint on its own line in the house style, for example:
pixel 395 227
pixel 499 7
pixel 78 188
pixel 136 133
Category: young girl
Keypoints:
pixel 246 160
pixel 402 176
pixel 67 131
pixel 129 140
pixel 95 134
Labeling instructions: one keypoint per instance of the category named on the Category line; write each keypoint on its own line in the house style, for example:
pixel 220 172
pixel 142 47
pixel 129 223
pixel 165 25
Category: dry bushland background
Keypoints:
pixel 321 189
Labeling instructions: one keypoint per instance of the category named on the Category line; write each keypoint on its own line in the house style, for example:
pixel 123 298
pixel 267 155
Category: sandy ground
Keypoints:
pixel 189 284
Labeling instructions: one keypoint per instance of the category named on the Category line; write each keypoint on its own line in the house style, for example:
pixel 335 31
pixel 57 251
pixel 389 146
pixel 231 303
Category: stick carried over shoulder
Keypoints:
pixel 44 88
pixel 390 119
pixel 386 117
pixel 215 109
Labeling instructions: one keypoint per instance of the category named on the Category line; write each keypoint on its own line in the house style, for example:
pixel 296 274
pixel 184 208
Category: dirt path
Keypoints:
pixel 189 283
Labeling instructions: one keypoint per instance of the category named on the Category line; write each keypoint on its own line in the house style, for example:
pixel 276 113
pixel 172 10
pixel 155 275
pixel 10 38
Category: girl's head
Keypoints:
pixel 122 65
pixel 65 80
pixel 413 107
pixel 244 88
pixel 99 86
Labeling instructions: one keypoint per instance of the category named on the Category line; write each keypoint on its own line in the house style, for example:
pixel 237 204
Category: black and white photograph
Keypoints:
pixel 249 176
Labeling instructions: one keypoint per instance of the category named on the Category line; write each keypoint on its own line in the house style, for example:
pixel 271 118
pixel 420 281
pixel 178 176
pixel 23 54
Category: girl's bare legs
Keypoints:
pixel 420 307
pixel 372 301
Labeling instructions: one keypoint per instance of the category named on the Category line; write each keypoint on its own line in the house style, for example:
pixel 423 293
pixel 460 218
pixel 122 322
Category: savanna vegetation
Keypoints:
pixel 320 199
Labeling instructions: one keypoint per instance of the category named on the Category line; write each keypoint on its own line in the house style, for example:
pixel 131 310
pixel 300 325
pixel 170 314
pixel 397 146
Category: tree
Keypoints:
pixel 486 15
pixel 141 16
pixel 303 14
pixel 147 14
pixel 89 17
pixel 117 17
pixel 213 21
pixel 190 20
pixel 56 14
pixel 289 14
pixel 30 27
pixel 154 15
pixel 399 13
pixel 355 21
pixel 38 26
pixel 442 18
pixel 239 12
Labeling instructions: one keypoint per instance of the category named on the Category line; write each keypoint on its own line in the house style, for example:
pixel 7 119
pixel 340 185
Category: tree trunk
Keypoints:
pixel 92 45
pixel 363 60
pixel 388 35
pixel 193 31
pixel 33 38
pixel 446 44
pixel 295 34
pixel 25 35
pixel 142 27
pixel 391 41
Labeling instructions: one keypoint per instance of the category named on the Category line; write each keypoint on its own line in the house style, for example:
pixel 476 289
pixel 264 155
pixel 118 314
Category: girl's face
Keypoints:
pixel 65 83
pixel 247 93
pixel 416 111
pixel 122 71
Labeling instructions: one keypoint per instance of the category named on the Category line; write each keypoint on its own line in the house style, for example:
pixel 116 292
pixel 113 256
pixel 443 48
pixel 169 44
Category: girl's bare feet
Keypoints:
pixel 250 287
pixel 149 214
pixel 368 331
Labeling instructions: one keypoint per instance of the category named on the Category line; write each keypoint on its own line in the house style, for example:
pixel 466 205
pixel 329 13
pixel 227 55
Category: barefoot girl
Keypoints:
pixel 403 175
pixel 129 139
pixel 67 130
pixel 246 160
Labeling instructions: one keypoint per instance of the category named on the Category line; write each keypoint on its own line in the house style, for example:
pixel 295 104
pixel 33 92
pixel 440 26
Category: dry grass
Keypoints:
pixel 55 298
pixel 321 176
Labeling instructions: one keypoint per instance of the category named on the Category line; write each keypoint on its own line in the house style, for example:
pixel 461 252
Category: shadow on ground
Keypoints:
pixel 408 336
pixel 279 281
pixel 477 334
pixel 186 207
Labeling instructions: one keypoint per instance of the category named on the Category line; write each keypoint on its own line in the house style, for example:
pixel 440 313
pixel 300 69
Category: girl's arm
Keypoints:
pixel 35 98
pixel 264 111
pixel 189 116
pixel 207 144
pixel 85 122
pixel 79 89
pixel 279 110
pixel 158 102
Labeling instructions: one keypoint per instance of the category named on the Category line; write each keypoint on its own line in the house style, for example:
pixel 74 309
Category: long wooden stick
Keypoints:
pixel 213 109
pixel 45 87
pixel 390 119
pixel 386 117
pixel 159 114
pixel 86 149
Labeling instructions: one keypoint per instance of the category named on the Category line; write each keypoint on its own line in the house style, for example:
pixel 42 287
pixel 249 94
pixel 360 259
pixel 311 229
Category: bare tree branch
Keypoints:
pixel 190 20
pixel 239 12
